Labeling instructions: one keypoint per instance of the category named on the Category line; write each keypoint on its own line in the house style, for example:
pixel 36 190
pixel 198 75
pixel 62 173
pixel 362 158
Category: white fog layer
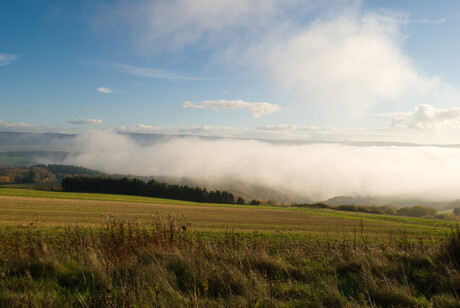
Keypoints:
pixel 314 171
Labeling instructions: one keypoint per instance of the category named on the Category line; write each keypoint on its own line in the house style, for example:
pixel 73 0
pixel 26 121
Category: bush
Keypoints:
pixel 417 211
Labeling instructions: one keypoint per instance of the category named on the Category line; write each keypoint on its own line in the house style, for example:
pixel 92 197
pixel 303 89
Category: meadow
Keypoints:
pixel 95 250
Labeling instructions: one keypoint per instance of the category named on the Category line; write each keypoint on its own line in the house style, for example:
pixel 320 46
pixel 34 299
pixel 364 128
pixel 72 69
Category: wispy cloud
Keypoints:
pixel 428 21
pixel 424 118
pixel 205 130
pixel 424 21
pixel 26 127
pixel 256 109
pixel 105 90
pixel 346 56
pixel 290 127
pixel 6 58
pixel 13 125
pixel 155 73
pixel 278 127
pixel 173 25
pixel 404 18
pixel 289 131
pixel 86 122
pixel 353 60
pixel 281 131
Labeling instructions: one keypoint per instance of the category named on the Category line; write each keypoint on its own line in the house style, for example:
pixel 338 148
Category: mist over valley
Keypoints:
pixel 285 171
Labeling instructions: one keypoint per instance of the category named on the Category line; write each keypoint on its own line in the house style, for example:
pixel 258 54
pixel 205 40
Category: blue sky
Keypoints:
pixel 338 70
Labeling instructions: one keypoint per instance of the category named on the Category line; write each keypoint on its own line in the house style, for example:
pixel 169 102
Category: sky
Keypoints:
pixel 303 70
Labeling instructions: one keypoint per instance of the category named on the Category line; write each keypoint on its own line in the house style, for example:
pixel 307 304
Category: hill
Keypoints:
pixel 43 174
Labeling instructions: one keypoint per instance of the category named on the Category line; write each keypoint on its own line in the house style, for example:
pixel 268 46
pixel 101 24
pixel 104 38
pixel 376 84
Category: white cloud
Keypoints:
pixel 290 127
pixel 278 127
pixel 294 132
pixel 13 125
pixel 406 20
pixel 105 90
pixel 353 60
pixel 424 118
pixel 204 130
pixel 26 127
pixel 340 56
pixel 151 72
pixel 6 58
pixel 86 121
pixel 173 24
pixel 256 109
pixel 279 132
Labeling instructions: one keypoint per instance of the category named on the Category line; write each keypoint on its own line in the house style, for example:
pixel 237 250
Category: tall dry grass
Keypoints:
pixel 165 264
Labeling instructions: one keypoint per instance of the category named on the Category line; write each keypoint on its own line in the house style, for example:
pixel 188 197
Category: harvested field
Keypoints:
pixel 48 210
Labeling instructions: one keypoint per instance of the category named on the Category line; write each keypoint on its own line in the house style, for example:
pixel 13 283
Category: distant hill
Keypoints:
pixel 61 171
pixel 27 149
pixel 397 201
pixel 9 141
pixel 43 174
pixel 358 200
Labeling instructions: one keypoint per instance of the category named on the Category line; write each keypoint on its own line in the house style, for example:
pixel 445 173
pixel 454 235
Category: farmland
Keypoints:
pixel 94 250
pixel 44 209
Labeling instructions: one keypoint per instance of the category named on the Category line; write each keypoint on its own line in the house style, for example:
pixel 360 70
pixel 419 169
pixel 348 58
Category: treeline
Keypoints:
pixel 410 211
pixel 43 173
pixel 152 188
pixel 26 175
pixel 69 170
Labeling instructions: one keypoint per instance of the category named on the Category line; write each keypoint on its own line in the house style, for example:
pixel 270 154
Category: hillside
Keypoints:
pixel 43 174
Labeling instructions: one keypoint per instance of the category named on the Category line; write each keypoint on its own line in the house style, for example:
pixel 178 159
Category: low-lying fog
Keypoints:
pixel 313 171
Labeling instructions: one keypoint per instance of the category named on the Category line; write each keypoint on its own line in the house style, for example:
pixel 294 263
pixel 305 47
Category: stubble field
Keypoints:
pixel 44 209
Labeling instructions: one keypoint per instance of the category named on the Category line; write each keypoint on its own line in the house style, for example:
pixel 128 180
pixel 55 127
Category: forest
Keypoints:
pixel 36 174
pixel 152 188
pixel 43 173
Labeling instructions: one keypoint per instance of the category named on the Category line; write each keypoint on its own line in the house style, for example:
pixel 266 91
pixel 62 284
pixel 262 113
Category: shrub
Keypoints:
pixel 417 211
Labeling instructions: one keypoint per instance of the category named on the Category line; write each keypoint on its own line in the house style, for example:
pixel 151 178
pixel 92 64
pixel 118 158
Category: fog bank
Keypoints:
pixel 313 171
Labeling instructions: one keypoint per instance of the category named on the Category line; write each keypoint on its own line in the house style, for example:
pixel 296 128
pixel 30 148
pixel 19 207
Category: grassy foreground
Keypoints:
pixel 217 256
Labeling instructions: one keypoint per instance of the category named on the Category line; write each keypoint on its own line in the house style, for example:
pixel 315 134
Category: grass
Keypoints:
pixel 69 250
pixel 148 200
pixel 162 263
pixel 5 191
pixel 44 209
pixel 33 186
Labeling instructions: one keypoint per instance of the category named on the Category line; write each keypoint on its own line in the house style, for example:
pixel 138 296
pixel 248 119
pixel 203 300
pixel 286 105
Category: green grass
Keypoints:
pixel 397 221
pixel 105 197
pixel 137 199
pixel 159 264
pixel 34 186
pixel 381 217
pixel 55 252
pixel 49 209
